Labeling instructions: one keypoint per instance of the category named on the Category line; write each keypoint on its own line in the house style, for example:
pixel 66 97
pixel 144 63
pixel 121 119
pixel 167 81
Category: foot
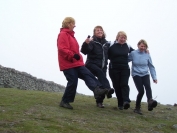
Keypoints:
pixel 151 104
pixel 126 105
pixel 110 92
pixel 65 105
pixel 99 92
pixel 100 105
pixel 120 107
pixel 138 111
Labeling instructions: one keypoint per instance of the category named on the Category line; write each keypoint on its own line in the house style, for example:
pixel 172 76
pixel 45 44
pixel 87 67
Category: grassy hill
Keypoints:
pixel 23 111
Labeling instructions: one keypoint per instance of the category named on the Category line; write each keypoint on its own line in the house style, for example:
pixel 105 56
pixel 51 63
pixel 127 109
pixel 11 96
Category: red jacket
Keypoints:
pixel 67 47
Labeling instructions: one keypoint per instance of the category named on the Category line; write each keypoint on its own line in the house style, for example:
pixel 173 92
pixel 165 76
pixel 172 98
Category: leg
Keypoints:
pixel 139 86
pixel 146 82
pixel 115 78
pixel 100 74
pixel 124 78
pixel 91 82
pixel 151 103
pixel 70 91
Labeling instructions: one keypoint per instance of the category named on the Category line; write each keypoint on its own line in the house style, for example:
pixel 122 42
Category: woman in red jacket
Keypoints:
pixel 72 65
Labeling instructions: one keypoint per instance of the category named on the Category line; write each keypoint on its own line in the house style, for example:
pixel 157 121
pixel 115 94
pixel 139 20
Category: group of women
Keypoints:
pixel 93 72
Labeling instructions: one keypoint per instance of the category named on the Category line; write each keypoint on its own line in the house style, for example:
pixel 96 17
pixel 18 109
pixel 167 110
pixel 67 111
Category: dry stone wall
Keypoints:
pixel 11 78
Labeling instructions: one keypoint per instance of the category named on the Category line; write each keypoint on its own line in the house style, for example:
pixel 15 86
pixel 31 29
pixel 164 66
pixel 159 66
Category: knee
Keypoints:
pixel 141 92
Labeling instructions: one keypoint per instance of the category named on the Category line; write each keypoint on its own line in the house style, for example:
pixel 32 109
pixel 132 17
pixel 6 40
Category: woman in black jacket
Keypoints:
pixel 96 50
pixel 119 70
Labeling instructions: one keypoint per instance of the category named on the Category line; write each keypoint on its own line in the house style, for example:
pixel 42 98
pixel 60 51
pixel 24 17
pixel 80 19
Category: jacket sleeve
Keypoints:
pixel 86 48
pixel 130 57
pixel 131 49
pixel 64 48
pixel 152 69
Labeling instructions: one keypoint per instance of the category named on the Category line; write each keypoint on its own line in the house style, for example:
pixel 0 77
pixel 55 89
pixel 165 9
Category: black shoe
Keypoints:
pixel 126 105
pixel 151 104
pixel 100 105
pixel 137 110
pixel 65 105
pixel 99 92
pixel 120 107
pixel 110 92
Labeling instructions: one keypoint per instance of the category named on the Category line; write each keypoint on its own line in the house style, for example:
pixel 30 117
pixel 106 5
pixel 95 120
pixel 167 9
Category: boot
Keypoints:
pixel 110 92
pixel 151 104
pixel 65 105
pixel 137 110
pixel 99 92
pixel 100 105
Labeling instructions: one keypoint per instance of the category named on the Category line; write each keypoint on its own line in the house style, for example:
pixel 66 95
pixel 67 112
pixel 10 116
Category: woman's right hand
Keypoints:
pixel 88 40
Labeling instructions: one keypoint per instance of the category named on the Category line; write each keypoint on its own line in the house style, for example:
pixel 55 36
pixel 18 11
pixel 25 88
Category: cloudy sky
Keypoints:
pixel 29 30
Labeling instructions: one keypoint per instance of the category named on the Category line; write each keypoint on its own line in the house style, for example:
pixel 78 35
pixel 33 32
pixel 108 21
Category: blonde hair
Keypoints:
pixel 67 21
pixel 98 26
pixel 144 42
pixel 121 33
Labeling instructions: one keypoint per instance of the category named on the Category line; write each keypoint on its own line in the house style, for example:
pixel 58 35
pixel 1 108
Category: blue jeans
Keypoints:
pixel 72 76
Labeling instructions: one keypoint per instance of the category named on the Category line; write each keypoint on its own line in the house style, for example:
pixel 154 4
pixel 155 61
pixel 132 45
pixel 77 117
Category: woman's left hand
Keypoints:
pixel 155 81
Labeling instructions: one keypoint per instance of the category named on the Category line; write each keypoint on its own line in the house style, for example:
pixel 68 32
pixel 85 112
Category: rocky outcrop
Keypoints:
pixel 11 78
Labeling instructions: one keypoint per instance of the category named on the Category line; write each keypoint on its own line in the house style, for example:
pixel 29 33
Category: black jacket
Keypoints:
pixel 96 51
pixel 118 55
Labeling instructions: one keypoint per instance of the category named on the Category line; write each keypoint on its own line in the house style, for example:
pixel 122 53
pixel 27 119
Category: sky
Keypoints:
pixel 29 30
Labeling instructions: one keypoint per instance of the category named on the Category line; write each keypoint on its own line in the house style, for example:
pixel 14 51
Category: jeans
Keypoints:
pixel 72 76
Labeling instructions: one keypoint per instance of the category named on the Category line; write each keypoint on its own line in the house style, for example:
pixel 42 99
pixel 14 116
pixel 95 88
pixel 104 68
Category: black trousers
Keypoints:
pixel 120 78
pixel 141 83
pixel 72 76
pixel 100 73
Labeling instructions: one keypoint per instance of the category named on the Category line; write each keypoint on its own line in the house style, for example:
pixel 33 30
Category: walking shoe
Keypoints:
pixel 120 107
pixel 110 92
pixel 151 104
pixel 137 110
pixel 126 105
pixel 65 105
pixel 98 92
pixel 100 105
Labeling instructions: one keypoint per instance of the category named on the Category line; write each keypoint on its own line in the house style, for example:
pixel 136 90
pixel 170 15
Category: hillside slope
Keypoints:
pixel 28 111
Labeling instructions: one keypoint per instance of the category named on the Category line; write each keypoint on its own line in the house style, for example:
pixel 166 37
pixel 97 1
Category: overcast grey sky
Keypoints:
pixel 29 30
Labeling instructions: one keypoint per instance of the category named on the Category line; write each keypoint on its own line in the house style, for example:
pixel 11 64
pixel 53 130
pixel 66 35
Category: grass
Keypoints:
pixel 24 111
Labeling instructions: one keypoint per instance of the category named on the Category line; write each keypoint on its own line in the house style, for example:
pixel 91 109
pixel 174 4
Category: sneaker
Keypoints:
pixel 98 92
pixel 126 105
pixel 120 107
pixel 65 105
pixel 110 92
pixel 137 110
pixel 100 105
pixel 151 104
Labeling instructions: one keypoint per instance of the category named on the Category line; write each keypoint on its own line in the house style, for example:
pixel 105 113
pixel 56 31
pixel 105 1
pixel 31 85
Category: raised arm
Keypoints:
pixel 87 46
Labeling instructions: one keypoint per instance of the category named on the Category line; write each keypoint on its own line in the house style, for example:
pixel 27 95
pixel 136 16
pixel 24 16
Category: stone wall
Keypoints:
pixel 11 78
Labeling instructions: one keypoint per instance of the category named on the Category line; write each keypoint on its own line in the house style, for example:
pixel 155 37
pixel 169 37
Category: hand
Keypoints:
pixel 88 40
pixel 76 56
pixel 155 81
pixel 147 51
